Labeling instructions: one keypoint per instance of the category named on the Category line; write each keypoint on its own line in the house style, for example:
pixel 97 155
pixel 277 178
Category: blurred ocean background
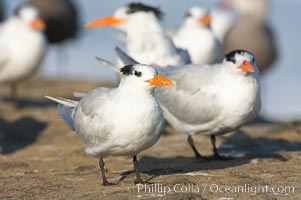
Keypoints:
pixel 280 86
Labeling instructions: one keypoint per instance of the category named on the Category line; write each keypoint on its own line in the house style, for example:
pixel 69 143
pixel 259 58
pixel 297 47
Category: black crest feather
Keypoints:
pixel 139 7
pixel 127 70
pixel 231 56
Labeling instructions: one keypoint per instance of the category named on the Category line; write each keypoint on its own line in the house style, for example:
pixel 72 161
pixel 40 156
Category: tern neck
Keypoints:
pixel 145 36
pixel 132 88
pixel 143 24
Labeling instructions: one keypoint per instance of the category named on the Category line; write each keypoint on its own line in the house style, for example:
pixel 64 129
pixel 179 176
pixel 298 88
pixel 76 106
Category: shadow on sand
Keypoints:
pixel 19 134
pixel 253 148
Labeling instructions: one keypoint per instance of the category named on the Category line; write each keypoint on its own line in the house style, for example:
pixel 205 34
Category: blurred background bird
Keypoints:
pixel 145 39
pixel 61 18
pixel 252 31
pixel 196 36
pixel 22 46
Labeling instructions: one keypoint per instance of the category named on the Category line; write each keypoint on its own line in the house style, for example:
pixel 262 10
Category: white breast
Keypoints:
pixel 25 49
pixel 202 45
pixel 240 100
pixel 125 125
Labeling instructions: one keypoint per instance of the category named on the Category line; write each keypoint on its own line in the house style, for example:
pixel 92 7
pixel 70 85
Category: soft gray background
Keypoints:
pixel 281 85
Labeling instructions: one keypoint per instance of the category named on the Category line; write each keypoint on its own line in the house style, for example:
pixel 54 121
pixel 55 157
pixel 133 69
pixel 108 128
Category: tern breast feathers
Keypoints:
pixel 110 121
pixel 206 51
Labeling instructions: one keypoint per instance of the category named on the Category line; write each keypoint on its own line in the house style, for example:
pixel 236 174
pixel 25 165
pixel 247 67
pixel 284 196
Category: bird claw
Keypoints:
pixel 219 157
pixel 106 183
pixel 139 181
pixel 201 158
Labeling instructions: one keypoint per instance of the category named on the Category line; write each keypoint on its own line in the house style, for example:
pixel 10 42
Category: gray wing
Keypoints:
pixel 66 114
pixel 191 100
pixel 65 108
pixel 89 117
pixel 185 55
pixel 91 99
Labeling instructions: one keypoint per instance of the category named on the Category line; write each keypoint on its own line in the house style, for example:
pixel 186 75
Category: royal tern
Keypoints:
pixel 145 39
pixel 22 45
pixel 122 121
pixel 196 36
pixel 210 99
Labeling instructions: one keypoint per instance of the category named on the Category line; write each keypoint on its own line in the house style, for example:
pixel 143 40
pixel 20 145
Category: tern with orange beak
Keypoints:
pixel 145 39
pixel 196 36
pixel 122 121
pixel 22 46
pixel 210 99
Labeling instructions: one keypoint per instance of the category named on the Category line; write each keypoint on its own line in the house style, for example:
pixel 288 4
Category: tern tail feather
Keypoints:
pixel 65 108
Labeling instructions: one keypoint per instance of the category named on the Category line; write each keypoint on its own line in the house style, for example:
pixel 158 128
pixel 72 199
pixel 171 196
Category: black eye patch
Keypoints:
pixel 138 74
pixel 188 14
pixel 127 70
pixel 231 56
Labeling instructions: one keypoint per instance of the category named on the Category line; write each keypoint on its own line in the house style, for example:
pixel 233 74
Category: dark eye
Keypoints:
pixel 188 14
pixel 138 74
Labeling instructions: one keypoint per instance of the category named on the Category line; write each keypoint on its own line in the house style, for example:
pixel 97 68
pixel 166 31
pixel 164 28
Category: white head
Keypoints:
pixel 130 16
pixel 197 17
pixel 142 77
pixel 241 62
pixel 30 15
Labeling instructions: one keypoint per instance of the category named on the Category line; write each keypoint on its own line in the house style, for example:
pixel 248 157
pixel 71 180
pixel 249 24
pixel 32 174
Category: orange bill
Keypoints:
pixel 205 20
pixel 246 67
pixel 104 21
pixel 159 80
pixel 38 24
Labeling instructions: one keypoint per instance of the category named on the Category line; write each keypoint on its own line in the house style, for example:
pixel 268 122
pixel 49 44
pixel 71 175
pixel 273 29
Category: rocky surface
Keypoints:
pixel 41 158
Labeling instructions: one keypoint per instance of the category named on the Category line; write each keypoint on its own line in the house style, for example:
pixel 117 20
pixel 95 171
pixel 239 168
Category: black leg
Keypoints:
pixel 138 179
pixel 198 156
pixel 215 152
pixel 102 168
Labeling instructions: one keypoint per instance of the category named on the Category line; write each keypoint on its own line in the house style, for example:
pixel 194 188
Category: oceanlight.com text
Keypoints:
pixel 246 188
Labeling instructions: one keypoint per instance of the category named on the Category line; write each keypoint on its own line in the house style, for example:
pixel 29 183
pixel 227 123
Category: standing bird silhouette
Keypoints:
pixel 196 36
pixel 22 45
pixel 145 38
pixel 61 18
pixel 122 121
